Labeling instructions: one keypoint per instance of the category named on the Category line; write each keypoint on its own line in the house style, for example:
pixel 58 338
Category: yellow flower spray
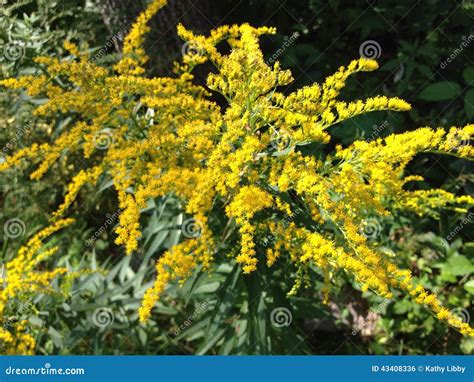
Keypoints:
pixel 21 280
pixel 243 161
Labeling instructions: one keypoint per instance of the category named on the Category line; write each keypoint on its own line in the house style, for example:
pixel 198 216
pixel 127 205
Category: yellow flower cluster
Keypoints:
pixel 20 282
pixel 242 162
pixel 134 54
pixel 248 201
pixel 15 340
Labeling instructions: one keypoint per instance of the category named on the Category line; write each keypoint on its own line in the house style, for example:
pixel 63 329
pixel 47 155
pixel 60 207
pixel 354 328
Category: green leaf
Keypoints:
pixel 257 316
pixel 469 103
pixel 197 330
pixel 468 75
pixel 467 345
pixel 208 288
pixel 56 337
pixel 206 346
pixel 401 307
pixel 226 297
pixel 142 336
pixel 190 286
pixel 440 91
pixel 469 286
pixel 229 343
pixel 437 243
pixel 167 310
pixel 458 266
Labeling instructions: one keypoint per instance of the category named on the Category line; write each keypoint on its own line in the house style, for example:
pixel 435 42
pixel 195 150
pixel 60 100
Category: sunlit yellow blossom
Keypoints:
pixel 242 162
pixel 22 280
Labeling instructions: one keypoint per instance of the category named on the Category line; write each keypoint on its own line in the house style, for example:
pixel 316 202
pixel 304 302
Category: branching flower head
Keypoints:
pixel 223 161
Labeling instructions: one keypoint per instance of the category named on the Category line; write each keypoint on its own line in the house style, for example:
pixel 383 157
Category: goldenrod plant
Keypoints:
pixel 241 159
pixel 22 280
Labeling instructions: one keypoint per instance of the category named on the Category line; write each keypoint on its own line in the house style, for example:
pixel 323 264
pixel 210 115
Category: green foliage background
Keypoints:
pixel 226 312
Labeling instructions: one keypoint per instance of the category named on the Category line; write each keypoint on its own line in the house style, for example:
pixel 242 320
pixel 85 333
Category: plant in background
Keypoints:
pixel 254 168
